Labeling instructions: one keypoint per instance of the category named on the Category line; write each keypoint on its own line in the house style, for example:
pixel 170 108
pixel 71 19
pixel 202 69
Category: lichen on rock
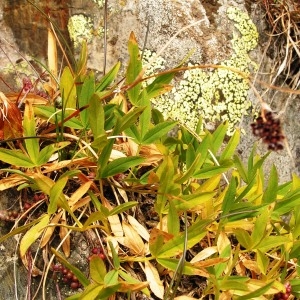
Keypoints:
pixel 217 95
pixel 80 28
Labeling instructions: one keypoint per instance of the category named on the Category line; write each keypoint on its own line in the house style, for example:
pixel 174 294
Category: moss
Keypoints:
pixel 218 95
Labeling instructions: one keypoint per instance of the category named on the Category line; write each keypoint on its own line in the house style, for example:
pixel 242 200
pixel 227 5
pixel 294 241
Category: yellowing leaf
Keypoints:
pixel 79 193
pixel 68 89
pixel 33 234
pixel 49 231
pixel 207 252
pixel 132 240
pixel 152 276
pixel 65 237
pixel 142 231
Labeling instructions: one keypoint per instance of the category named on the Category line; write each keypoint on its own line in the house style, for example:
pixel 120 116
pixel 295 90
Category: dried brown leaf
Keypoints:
pixel 152 276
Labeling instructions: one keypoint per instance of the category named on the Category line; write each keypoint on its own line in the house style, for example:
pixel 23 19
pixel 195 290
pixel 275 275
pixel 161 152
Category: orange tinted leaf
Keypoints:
pixel 11 119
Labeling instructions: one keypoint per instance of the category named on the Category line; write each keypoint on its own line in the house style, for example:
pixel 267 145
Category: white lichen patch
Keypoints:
pixel 216 95
pixel 80 28
pixel 153 65
pixel 100 3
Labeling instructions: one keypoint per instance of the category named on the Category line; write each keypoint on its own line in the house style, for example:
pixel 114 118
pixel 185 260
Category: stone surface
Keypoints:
pixel 23 33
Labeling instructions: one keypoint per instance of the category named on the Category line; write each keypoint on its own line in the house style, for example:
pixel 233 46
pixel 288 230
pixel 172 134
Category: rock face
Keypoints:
pixel 210 36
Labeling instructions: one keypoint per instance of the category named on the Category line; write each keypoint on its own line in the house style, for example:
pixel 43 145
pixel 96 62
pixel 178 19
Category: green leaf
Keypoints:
pixel 111 278
pixel 16 158
pixel 240 168
pixel 287 204
pixel 32 145
pixel 229 198
pixel 134 133
pixel 96 116
pixel 132 280
pixel 218 137
pixel 191 169
pixel 104 157
pixel 128 119
pixel 122 207
pixel 259 230
pixel 134 69
pixel 188 202
pixel 191 156
pixel 68 89
pixel 270 193
pixel 93 217
pixel 56 192
pixel 81 277
pixel 20 229
pixel 33 234
pixel 54 116
pixel 115 256
pixel 173 219
pixel 81 64
pixel 160 85
pixel 172 263
pixel 158 131
pixel 46 152
pixel 120 165
pixel 166 176
pixel 108 291
pixel 86 92
pixel 262 261
pixel 207 172
pixel 97 269
pixel 175 246
pixel 257 293
pixel 244 238
pixel 234 283
pixel 271 242
pixel 230 147
pixel 108 78
pixel 92 292
pixel 145 117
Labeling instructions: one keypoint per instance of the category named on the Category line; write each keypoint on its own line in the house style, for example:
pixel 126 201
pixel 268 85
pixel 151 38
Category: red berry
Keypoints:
pixel 27 205
pixel 102 256
pixel 36 197
pixel 74 285
pixel 64 271
pixel 95 250
pixel 69 275
pixel 74 278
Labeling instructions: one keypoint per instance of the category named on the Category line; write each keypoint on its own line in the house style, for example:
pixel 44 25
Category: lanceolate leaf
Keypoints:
pixel 96 116
pixel 120 165
pixel 270 193
pixel 175 246
pixel 32 145
pixel 207 172
pixel 134 69
pixel 46 152
pixel 231 146
pixel 158 131
pixel 33 234
pixel 68 89
pixel 108 78
pixel 16 158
